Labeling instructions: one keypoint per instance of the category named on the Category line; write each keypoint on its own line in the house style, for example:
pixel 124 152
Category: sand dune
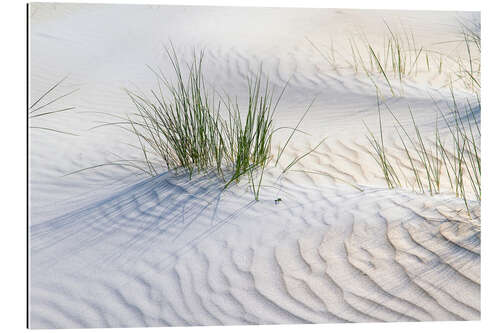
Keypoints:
pixel 377 255
pixel 113 248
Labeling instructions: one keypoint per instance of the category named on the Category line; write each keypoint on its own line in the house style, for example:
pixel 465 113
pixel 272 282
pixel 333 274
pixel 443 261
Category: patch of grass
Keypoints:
pixel 184 125
pixel 399 57
pixel 428 160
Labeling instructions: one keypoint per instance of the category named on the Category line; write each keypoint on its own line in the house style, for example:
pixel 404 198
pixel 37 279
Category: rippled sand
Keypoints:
pixel 110 248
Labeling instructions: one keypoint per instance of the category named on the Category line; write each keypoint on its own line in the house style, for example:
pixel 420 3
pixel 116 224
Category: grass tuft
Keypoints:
pixel 459 160
pixel 399 57
pixel 184 125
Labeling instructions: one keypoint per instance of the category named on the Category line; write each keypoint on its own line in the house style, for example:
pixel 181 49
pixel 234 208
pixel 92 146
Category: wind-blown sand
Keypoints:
pixel 111 248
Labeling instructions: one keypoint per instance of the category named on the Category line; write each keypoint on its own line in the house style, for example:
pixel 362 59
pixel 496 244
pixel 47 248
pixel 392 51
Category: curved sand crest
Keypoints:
pixel 174 252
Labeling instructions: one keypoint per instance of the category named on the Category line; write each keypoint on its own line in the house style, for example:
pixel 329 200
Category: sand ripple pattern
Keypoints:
pixel 169 251
pixel 107 251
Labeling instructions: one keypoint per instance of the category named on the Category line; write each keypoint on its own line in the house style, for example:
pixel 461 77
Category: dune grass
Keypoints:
pixel 470 68
pixel 39 108
pixel 380 155
pixel 399 57
pixel 431 159
pixel 187 126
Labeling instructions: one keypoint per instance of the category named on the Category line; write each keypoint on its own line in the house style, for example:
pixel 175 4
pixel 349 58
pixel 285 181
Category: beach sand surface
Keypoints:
pixel 111 247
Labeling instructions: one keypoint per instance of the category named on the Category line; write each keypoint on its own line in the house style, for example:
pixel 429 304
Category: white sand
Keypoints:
pixel 110 248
